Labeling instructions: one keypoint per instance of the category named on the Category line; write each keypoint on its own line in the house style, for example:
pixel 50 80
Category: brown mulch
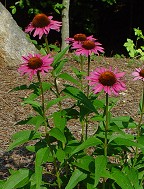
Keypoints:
pixel 11 110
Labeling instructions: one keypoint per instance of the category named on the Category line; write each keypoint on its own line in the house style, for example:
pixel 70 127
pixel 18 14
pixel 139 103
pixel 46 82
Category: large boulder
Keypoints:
pixel 13 41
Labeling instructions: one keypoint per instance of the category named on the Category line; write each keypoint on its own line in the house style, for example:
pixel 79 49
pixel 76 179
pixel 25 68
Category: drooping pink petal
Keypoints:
pixel 45 29
pixel 44 66
pixel 107 80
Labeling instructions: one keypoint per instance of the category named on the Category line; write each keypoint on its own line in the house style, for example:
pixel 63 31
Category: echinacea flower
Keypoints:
pixel 35 63
pixel 107 80
pixel 138 74
pixel 87 47
pixel 42 24
pixel 80 37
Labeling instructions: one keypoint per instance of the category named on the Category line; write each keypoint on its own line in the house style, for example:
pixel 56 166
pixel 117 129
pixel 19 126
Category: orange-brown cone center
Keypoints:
pixel 107 78
pixel 88 44
pixel 40 21
pixel 35 63
pixel 142 73
pixel 80 37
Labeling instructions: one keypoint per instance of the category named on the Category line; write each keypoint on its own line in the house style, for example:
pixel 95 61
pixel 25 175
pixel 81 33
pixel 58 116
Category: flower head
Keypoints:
pixel 34 63
pixel 42 24
pixel 79 37
pixel 87 47
pixel 107 80
pixel 138 74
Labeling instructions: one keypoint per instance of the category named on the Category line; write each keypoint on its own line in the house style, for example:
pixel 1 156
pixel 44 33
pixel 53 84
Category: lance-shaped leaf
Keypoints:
pixel 18 179
pixel 92 141
pixel 79 95
pixel 76 177
pixel 22 137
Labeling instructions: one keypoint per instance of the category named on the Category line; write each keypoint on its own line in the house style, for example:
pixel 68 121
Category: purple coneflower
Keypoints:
pixel 80 37
pixel 138 74
pixel 107 80
pixel 34 63
pixel 42 24
pixel 87 47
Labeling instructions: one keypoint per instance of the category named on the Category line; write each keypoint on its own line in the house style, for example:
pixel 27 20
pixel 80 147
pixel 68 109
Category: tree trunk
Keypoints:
pixel 65 23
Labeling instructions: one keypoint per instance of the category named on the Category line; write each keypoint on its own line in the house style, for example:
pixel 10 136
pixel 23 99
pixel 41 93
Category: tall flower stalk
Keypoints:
pixel 106 126
pixel 141 115
pixel 139 75
pixel 88 72
pixel 43 103
pixel 47 45
pixel 82 70
pixel 109 81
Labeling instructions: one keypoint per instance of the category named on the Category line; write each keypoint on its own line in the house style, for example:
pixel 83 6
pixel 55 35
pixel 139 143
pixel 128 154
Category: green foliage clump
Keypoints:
pixel 134 49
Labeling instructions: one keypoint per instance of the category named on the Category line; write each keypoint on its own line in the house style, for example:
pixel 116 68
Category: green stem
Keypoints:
pixel 103 184
pixel 47 46
pixel 86 121
pixel 57 174
pixel 88 72
pixel 46 131
pixel 106 134
pixel 82 135
pixel 139 127
pixel 81 64
pixel 57 92
pixel 141 115
pixel 55 165
pixel 106 126
pixel 43 106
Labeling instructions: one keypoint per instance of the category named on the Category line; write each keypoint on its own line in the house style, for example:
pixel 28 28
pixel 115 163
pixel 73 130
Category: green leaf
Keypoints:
pixel 37 121
pixel 31 102
pixel 76 177
pixel 98 103
pixel 141 140
pixel 100 167
pixel 138 33
pixel 92 141
pixel 55 101
pixel 132 174
pixel 130 47
pixel 59 67
pixel 122 118
pixel 23 136
pixel 58 134
pixel 123 122
pixel 46 86
pixel 126 141
pixel 60 154
pixel 78 73
pixel 68 77
pixel 21 87
pixel 2 183
pixel 18 179
pixel 86 163
pixel 13 9
pixel 121 179
pixel 58 56
pixel 79 95
pixel 41 156
pixel 37 146
pixel 98 118
pixel 60 120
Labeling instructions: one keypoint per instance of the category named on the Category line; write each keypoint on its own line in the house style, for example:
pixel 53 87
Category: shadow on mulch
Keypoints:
pixel 15 159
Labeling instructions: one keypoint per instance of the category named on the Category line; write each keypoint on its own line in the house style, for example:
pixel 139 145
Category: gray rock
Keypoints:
pixel 13 41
